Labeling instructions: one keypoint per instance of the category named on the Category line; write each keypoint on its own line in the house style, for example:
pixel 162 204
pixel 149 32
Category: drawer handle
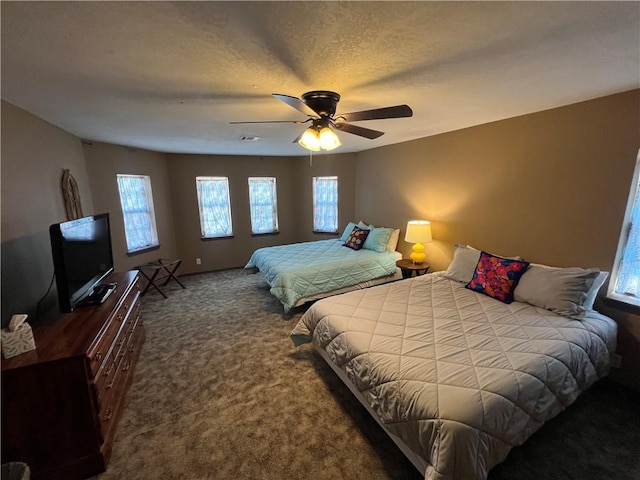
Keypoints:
pixel 108 414
pixel 126 367
pixel 120 317
pixel 107 372
pixel 110 384
pixel 120 342
pixel 98 357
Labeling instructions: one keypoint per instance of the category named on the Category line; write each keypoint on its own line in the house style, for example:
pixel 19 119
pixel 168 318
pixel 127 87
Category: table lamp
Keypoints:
pixel 418 232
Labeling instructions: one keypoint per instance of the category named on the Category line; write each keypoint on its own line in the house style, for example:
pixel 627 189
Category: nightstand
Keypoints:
pixel 408 267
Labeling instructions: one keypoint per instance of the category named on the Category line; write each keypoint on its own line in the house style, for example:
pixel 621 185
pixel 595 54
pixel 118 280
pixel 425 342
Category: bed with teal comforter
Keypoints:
pixel 303 270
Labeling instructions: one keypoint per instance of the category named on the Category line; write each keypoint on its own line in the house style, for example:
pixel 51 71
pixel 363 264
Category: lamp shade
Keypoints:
pixel 418 231
pixel 310 140
pixel 319 136
pixel 328 139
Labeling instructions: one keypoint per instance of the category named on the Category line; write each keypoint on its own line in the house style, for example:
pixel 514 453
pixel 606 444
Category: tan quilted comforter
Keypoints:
pixel 459 376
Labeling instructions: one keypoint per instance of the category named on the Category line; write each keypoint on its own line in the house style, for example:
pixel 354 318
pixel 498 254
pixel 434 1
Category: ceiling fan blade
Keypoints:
pixel 363 132
pixel 299 137
pixel 397 111
pixel 296 103
pixel 297 122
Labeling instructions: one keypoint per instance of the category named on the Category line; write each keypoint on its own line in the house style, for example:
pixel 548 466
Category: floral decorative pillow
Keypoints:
pixel 497 277
pixel 356 238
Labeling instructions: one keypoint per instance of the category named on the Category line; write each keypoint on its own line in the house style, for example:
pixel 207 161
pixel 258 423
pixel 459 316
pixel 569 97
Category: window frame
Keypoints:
pixel 316 227
pixel 625 231
pixel 273 204
pixel 150 211
pixel 204 235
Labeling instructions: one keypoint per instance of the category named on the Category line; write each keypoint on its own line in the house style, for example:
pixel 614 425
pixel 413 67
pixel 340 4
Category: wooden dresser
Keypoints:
pixel 61 402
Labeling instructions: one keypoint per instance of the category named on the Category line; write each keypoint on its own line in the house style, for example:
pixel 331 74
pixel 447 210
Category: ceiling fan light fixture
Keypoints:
pixel 328 139
pixel 320 108
pixel 310 140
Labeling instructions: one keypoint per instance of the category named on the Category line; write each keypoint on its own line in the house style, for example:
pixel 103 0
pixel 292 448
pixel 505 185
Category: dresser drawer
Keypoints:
pixel 105 377
pixel 98 355
pixel 111 401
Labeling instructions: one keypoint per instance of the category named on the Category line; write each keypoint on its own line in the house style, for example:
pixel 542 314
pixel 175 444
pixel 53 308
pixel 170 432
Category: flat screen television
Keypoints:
pixel 82 258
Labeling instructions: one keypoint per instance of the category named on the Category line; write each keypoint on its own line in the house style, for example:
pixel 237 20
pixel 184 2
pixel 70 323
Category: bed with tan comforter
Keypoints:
pixel 459 377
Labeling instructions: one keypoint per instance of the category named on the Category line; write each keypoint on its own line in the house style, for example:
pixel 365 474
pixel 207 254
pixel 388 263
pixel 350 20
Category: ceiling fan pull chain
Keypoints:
pixel 311 158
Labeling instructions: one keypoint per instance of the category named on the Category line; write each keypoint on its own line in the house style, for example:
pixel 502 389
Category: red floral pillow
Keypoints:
pixel 497 277
pixel 356 238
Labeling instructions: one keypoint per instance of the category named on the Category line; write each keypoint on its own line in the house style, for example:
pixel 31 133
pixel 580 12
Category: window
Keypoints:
pixel 325 204
pixel 137 209
pixel 215 207
pixel 263 205
pixel 625 281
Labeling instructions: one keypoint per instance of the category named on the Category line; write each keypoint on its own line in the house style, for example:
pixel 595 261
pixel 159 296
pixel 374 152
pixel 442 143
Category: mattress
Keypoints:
pixel 458 377
pixel 397 275
pixel 306 270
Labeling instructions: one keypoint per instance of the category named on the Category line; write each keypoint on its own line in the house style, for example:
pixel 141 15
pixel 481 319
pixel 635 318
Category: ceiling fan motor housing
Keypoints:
pixel 323 102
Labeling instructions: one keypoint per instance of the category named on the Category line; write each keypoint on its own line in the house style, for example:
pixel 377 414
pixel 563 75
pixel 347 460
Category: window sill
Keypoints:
pixel 324 233
pixel 627 303
pixel 216 238
pixel 133 253
pixel 265 234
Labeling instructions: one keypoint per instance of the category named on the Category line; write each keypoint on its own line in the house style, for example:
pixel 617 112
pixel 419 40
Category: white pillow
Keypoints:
pixel 464 263
pixel 393 240
pixel 561 290
pixel 593 291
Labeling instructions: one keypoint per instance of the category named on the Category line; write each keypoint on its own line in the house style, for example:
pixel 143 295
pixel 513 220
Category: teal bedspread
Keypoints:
pixel 304 269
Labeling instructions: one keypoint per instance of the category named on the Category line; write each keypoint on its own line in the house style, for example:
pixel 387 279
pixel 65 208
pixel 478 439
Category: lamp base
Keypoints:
pixel 417 254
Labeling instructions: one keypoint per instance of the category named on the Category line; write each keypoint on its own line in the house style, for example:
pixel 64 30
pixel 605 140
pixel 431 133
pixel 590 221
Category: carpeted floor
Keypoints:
pixel 221 393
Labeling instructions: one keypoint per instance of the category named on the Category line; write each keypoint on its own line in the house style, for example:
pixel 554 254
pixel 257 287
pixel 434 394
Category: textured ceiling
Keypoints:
pixel 170 76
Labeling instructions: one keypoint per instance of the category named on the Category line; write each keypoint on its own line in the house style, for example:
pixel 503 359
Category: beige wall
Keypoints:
pixel 293 178
pixel 34 153
pixel 341 165
pixel 104 162
pixel 628 320
pixel 223 253
pixel 550 186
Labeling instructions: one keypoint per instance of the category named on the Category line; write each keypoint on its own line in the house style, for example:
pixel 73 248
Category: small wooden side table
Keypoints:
pixel 162 264
pixel 408 267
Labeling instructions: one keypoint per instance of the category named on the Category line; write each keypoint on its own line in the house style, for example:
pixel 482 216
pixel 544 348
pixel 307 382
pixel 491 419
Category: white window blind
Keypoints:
pixel 136 200
pixel 215 207
pixel 263 205
pixel 325 204
pixel 627 269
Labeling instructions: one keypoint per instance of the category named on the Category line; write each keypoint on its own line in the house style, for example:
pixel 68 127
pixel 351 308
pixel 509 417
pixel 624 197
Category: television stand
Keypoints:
pixel 99 294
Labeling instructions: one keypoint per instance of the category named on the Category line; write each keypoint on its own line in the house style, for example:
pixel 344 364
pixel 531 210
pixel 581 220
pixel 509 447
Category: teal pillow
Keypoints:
pixel 377 239
pixel 347 231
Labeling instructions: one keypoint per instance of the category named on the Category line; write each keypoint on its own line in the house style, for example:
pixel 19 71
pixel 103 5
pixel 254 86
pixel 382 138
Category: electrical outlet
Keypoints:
pixel 198 261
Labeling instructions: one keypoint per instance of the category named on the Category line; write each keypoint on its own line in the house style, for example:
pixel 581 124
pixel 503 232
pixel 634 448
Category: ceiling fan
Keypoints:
pixel 320 107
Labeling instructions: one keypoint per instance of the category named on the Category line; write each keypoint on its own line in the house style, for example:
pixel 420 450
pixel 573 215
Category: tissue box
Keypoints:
pixel 15 343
